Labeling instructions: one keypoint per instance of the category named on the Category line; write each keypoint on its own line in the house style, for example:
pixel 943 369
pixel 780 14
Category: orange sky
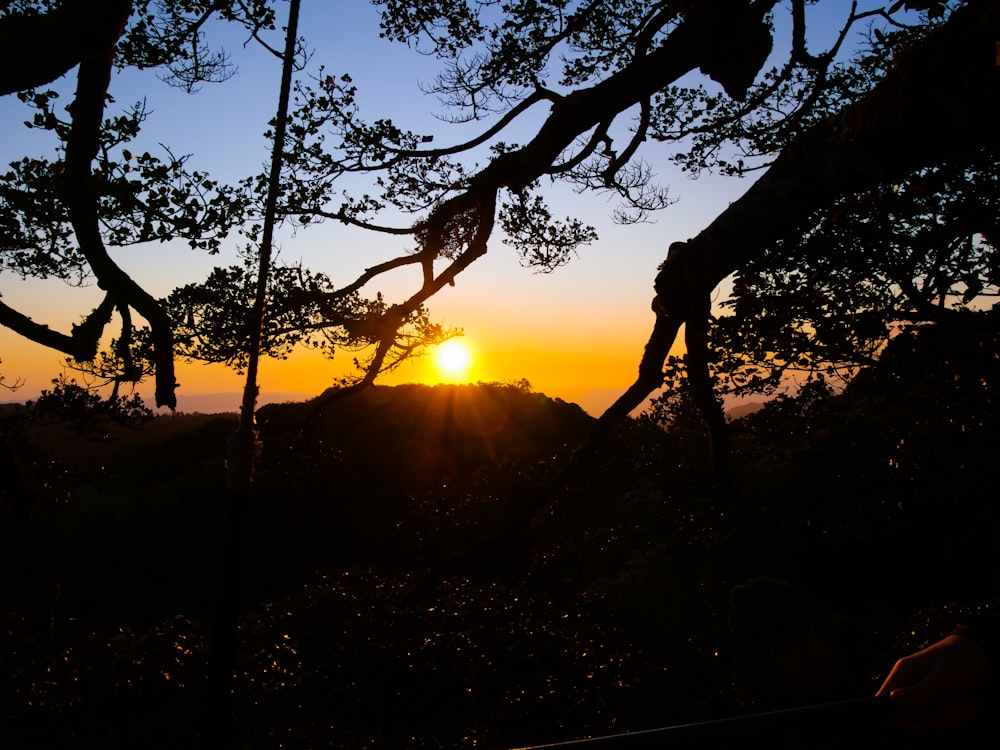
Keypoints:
pixel 580 353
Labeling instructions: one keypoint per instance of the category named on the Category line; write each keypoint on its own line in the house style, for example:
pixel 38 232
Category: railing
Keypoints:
pixel 711 732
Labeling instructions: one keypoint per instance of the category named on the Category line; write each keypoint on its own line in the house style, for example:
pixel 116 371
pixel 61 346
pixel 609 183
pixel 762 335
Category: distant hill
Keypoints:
pixel 413 435
pixel 742 410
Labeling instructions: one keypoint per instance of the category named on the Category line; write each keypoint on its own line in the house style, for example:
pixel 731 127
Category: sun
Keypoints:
pixel 453 360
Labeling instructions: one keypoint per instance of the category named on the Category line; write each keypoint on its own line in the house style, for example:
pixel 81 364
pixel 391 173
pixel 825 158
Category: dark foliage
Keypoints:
pixel 86 411
pixel 827 299
pixel 864 527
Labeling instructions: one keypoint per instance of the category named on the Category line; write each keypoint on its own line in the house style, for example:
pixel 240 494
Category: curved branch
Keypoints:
pixel 81 344
pixel 343 218
pixel 35 50
pixel 660 18
pixel 927 109
pixel 485 208
pixel 80 196
pixel 582 110
pixel 800 54
pixel 373 271
pixel 540 94
pixel 600 135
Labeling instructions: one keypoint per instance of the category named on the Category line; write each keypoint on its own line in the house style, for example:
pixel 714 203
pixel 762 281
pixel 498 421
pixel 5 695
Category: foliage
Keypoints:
pixel 498 60
pixel 143 198
pixel 828 300
pixel 639 602
pixel 738 117
pixel 85 409
pixel 137 198
pixel 61 213
pixel 742 136
pixel 329 140
pixel 303 308
pixel 169 35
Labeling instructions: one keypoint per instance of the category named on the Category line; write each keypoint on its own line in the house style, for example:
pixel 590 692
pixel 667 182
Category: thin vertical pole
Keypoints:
pixel 242 447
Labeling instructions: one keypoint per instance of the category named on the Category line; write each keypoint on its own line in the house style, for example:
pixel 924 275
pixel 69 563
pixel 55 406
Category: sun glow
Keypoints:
pixel 453 360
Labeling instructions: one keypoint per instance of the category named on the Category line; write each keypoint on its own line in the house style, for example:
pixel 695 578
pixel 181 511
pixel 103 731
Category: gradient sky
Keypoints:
pixel 576 333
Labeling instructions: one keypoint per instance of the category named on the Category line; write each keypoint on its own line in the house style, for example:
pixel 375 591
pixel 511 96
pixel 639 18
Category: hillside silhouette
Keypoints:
pixel 863 526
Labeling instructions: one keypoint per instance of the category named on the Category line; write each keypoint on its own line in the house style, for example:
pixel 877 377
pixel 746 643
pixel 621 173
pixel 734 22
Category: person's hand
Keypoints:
pixel 938 687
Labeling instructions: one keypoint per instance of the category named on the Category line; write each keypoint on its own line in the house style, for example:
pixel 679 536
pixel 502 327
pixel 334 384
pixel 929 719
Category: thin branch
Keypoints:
pixel 625 157
pixel 540 94
pixel 600 135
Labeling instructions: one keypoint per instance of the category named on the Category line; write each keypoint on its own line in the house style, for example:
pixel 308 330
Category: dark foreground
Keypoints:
pixel 388 605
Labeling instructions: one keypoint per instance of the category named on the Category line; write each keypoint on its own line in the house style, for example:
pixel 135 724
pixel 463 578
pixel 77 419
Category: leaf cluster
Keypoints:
pixel 304 308
pixel 83 408
pixel 328 141
pixel 140 198
pixel 714 132
pixel 829 298
pixel 499 52
pixel 169 34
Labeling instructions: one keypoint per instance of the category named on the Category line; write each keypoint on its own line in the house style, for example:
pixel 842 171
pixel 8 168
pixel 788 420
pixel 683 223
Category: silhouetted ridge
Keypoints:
pixel 412 436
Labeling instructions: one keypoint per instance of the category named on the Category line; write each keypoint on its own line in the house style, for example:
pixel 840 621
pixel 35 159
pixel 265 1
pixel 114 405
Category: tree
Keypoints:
pixel 305 308
pixel 925 111
pixel 837 128
pixel 61 215
pixel 827 301
pixel 120 196
pixel 616 62
pixel 836 131
pixel 243 443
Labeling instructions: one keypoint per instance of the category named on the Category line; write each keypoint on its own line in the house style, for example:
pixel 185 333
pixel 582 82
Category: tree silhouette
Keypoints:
pixel 243 443
pixel 615 64
pixel 60 216
pixel 841 130
pixel 838 131
pixel 926 110
pixel 827 300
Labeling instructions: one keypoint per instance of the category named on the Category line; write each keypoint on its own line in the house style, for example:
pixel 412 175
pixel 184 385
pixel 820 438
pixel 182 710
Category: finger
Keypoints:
pixel 905 672
pixel 921 690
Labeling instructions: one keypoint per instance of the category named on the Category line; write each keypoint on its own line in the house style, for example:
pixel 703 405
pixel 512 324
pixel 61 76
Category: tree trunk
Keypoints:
pixel 243 445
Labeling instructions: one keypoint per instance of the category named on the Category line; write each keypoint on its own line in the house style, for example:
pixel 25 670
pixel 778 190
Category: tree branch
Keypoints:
pixel 927 109
pixel 35 50
pixel 80 196
pixel 81 345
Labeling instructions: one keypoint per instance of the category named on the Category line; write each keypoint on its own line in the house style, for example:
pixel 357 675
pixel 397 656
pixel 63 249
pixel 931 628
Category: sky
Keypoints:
pixel 576 333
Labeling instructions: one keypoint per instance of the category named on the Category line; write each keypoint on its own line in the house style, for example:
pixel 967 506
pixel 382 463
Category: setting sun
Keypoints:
pixel 453 360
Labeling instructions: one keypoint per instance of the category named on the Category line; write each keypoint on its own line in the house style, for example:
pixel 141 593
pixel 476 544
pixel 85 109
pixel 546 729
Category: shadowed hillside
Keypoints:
pixel 424 433
pixel 634 600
